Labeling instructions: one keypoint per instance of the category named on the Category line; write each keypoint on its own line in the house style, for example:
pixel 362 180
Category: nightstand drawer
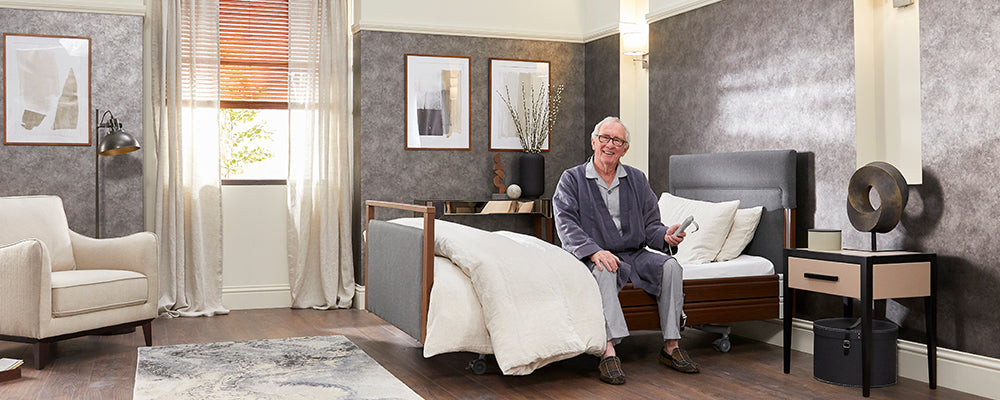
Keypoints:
pixel 836 278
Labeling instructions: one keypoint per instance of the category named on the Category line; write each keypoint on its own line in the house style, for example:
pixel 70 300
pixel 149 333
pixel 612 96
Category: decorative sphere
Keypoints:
pixel 513 191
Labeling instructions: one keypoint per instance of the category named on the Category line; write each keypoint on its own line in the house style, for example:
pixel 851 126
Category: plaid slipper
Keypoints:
pixel 679 360
pixel 611 370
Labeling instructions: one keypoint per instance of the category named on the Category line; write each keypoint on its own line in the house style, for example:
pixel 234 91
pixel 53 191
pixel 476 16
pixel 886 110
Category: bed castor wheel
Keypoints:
pixel 478 366
pixel 722 345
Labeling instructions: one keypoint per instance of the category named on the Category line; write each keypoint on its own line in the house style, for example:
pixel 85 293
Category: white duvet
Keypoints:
pixel 539 304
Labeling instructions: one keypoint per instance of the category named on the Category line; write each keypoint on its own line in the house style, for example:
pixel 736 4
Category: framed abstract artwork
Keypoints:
pixel 437 102
pixel 522 86
pixel 46 90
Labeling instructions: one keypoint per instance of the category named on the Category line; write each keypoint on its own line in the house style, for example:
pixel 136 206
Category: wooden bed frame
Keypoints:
pixel 706 301
pixel 709 301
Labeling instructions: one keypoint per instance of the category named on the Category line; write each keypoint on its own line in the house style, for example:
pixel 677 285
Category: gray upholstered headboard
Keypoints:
pixel 756 178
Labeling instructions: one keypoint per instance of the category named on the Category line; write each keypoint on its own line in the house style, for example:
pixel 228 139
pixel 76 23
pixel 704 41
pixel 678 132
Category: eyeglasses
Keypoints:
pixel 605 138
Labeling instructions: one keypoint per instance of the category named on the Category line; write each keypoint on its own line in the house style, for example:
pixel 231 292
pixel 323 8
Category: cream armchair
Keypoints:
pixel 57 284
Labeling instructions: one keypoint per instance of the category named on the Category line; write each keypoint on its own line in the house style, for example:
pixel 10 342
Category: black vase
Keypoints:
pixel 531 170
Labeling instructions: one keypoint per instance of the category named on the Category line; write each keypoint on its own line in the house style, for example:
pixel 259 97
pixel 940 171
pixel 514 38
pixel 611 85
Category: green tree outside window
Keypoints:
pixel 243 140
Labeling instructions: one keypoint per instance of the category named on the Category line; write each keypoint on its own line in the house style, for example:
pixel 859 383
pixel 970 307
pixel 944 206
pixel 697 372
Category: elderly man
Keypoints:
pixel 605 214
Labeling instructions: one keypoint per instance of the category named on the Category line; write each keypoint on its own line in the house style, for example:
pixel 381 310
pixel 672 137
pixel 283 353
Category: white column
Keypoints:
pixel 887 86
pixel 634 86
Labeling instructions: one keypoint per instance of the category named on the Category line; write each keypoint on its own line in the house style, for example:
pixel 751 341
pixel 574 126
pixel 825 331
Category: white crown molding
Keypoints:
pixel 600 33
pixel 676 7
pixel 462 31
pixel 957 370
pixel 132 7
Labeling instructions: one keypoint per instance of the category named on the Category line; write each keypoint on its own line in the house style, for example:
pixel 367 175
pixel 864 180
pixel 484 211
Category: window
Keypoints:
pixel 253 93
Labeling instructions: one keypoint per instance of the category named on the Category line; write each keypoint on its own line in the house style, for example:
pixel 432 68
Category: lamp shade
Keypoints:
pixel 117 142
pixel 635 38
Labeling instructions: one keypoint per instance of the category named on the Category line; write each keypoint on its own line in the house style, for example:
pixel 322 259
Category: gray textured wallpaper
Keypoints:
pixel 760 75
pixel 388 172
pixel 740 75
pixel 69 171
pixel 603 88
pixel 950 213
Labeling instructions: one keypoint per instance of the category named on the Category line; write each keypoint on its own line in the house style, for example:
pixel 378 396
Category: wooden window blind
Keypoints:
pixel 253 48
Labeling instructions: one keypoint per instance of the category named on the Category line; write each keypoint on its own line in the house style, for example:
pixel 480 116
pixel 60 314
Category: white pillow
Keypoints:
pixel 744 226
pixel 714 222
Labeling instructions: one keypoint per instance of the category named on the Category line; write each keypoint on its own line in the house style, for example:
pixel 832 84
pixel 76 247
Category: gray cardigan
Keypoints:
pixel 584 225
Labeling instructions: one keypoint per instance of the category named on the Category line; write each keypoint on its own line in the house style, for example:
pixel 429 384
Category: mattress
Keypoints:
pixel 744 265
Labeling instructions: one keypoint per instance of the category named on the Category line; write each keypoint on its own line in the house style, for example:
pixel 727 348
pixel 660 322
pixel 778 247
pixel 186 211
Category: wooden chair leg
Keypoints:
pixel 147 332
pixel 41 352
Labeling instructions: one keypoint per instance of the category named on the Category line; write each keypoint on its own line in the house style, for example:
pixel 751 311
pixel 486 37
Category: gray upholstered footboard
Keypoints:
pixel 394 274
pixel 399 268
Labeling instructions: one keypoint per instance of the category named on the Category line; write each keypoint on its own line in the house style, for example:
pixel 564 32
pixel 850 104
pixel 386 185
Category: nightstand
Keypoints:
pixel 868 276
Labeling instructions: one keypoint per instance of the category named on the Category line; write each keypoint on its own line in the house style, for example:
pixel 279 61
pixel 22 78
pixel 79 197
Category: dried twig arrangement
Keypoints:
pixel 534 116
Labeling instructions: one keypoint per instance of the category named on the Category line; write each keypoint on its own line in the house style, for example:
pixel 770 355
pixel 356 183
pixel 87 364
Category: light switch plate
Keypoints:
pixel 901 3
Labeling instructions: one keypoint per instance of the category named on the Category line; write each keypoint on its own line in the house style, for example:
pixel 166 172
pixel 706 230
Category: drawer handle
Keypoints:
pixel 831 278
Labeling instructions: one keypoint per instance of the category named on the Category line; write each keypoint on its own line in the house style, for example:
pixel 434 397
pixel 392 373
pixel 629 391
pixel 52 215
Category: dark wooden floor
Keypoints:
pixel 103 367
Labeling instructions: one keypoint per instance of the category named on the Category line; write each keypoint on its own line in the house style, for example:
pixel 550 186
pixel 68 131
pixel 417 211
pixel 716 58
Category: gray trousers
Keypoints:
pixel 670 302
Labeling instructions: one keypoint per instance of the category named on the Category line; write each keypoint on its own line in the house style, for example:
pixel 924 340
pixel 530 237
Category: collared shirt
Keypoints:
pixel 609 192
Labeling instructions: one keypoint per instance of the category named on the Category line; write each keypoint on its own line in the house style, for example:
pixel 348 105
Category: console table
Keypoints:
pixel 539 209
pixel 868 276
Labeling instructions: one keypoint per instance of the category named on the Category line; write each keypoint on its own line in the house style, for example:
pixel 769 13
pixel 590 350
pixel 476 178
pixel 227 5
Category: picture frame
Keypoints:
pixel 46 90
pixel 437 100
pixel 508 77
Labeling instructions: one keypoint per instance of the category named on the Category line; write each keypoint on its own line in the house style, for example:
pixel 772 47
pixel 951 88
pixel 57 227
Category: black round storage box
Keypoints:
pixel 837 352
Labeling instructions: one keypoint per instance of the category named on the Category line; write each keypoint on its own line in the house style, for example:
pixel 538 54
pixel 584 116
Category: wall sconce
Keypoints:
pixel 114 143
pixel 635 41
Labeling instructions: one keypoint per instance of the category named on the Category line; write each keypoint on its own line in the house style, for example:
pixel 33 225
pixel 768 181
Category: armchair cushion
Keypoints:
pixel 87 291
pixel 38 217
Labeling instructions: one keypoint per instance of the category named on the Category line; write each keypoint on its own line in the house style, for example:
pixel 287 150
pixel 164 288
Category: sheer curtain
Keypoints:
pixel 184 89
pixel 321 269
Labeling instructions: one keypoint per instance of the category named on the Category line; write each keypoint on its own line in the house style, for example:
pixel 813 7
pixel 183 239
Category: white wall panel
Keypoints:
pixel 600 18
pixel 255 262
pixel 887 54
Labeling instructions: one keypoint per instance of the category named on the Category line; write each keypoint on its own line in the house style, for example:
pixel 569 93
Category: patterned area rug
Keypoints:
pixel 321 367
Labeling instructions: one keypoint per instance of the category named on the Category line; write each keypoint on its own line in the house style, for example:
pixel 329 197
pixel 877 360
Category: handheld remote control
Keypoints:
pixel 684 225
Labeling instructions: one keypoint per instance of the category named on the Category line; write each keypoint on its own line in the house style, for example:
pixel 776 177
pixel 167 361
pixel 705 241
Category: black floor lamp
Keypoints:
pixel 114 143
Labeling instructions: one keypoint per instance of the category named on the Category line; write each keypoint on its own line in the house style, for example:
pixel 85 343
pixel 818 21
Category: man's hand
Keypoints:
pixel 672 240
pixel 605 259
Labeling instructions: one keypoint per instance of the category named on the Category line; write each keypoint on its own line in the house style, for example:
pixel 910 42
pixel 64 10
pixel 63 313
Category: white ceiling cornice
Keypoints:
pixel 463 31
pixel 600 33
pixel 675 7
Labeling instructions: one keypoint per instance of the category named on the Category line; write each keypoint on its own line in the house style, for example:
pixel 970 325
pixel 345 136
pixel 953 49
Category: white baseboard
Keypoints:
pixel 957 370
pixel 359 297
pixel 256 296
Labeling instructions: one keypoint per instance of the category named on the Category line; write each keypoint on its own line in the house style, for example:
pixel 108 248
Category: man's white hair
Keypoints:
pixel 628 136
